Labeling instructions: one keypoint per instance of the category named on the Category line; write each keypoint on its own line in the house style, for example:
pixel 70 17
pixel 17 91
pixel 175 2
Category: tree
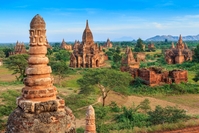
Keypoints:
pixel 7 51
pixel 62 55
pixel 116 61
pixel 139 47
pixel 18 64
pixel 105 79
pixel 196 54
pixel 2 55
pixel 61 69
pixel 196 78
pixel 118 50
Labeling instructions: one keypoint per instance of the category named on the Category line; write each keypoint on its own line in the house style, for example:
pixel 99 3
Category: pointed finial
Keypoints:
pixel 87 27
pixel 180 38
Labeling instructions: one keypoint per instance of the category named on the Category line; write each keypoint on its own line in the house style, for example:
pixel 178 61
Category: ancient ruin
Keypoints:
pixel 108 44
pixel 155 76
pixel 90 120
pixel 39 109
pixel 65 46
pixel 87 54
pixel 129 60
pixel 139 56
pixel 179 53
pixel 19 49
pixel 151 47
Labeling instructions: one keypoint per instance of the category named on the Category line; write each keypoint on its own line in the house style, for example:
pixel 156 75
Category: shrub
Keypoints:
pixel 130 118
pixel 166 115
pixel 114 107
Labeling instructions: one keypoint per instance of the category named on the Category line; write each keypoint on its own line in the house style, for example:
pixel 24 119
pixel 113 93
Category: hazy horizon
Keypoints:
pixel 107 19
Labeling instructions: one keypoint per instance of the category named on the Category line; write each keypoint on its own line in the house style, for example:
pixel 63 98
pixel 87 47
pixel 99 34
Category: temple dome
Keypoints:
pixel 87 36
pixel 37 22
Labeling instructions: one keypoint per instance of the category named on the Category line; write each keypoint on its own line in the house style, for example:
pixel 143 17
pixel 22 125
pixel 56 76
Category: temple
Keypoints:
pixel 179 53
pixel 39 109
pixel 19 49
pixel 108 44
pixel 87 54
pixel 129 60
pixel 65 46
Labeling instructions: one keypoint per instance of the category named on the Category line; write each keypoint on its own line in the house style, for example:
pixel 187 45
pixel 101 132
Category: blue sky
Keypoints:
pixel 107 18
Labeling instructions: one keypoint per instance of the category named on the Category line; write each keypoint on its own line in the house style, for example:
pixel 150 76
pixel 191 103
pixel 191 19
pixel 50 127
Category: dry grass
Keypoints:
pixel 6 75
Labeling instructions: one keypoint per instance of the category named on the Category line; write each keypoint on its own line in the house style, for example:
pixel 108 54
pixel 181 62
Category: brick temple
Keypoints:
pixel 19 49
pixel 39 109
pixel 179 53
pixel 108 44
pixel 87 54
pixel 129 60
pixel 65 46
pixel 153 76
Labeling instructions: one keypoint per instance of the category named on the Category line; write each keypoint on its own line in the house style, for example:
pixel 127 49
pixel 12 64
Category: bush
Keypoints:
pixel 114 107
pixel 80 130
pixel 7 105
pixel 166 115
pixel 131 118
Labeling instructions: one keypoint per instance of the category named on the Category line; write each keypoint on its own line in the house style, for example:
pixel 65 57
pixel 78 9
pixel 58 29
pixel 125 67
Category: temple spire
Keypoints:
pixel 87 26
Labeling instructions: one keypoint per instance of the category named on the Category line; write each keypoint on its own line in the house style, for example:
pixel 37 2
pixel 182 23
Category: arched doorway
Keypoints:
pixel 97 63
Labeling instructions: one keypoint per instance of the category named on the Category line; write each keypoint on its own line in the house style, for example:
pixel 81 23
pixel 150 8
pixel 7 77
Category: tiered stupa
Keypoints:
pixel 39 110
pixel 90 120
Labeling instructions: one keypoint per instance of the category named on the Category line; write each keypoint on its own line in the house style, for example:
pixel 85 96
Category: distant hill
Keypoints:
pixel 173 38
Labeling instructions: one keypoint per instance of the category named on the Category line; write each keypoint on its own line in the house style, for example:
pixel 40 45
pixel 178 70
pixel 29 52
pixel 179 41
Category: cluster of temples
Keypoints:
pixel 179 53
pixel 87 54
pixel 41 110
pixel 151 76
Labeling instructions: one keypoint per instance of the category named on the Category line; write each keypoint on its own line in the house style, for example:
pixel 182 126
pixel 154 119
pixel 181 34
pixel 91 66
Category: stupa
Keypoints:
pixel 39 109
pixel 90 120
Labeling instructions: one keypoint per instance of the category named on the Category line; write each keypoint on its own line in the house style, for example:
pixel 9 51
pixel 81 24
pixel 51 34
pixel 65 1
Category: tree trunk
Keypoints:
pixel 103 101
pixel 104 93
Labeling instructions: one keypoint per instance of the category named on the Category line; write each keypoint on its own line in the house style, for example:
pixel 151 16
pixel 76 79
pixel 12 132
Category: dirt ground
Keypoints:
pixel 130 100
pixel 185 130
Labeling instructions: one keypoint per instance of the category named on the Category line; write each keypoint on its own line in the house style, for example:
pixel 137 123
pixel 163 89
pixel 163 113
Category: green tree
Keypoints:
pixel 18 64
pixel 2 55
pixel 62 55
pixel 139 47
pixel 7 51
pixel 61 69
pixel 116 61
pixel 196 54
pixel 196 78
pixel 105 79
pixel 118 50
